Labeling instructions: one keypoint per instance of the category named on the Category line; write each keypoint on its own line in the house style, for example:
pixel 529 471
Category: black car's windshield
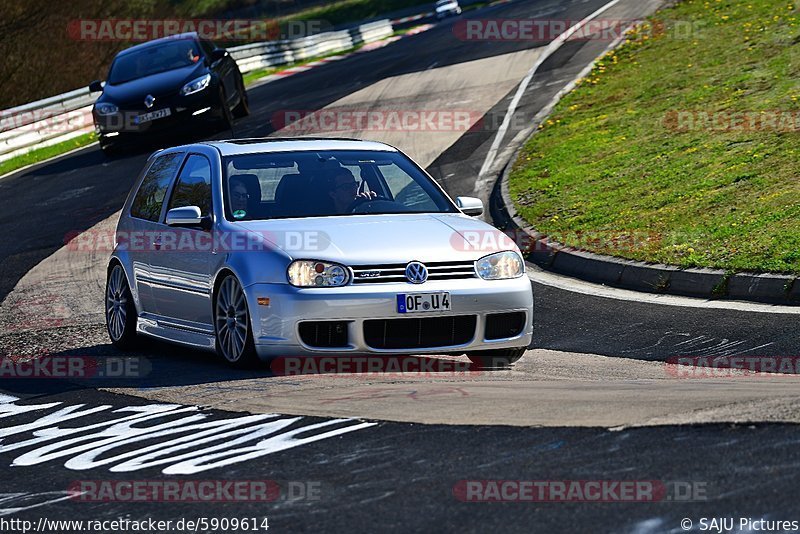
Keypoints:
pixel 154 59
pixel 325 183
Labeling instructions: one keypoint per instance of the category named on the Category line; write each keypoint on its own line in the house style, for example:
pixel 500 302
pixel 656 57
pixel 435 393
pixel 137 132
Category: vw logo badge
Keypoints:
pixel 416 272
pixel 149 100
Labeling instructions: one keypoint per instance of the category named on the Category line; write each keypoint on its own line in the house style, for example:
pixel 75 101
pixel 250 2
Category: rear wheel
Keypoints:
pixel 232 324
pixel 120 310
pixel 499 358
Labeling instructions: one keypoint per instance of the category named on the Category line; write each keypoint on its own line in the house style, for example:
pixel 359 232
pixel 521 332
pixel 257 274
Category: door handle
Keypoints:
pixel 157 242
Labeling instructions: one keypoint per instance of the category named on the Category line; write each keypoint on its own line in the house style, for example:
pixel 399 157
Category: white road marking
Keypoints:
pixel 546 53
pixel 12 503
pixel 573 285
pixel 193 442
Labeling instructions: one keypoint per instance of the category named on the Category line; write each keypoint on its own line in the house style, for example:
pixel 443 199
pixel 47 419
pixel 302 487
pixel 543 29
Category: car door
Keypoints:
pixel 181 264
pixel 143 224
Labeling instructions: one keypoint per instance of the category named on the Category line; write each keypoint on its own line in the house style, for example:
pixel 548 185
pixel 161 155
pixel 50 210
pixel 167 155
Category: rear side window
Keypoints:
pixel 150 197
pixel 194 185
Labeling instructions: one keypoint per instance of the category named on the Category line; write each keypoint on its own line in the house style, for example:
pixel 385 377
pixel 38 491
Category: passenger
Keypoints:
pixel 239 197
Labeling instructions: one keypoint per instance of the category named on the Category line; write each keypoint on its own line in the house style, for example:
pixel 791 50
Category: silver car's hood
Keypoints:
pixel 379 239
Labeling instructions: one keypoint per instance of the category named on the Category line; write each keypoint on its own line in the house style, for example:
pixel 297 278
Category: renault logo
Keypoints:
pixel 149 100
pixel 416 272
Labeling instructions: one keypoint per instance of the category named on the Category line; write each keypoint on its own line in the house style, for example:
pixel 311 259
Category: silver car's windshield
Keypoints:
pixel 327 183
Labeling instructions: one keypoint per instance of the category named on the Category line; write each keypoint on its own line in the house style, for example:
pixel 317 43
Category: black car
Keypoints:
pixel 167 83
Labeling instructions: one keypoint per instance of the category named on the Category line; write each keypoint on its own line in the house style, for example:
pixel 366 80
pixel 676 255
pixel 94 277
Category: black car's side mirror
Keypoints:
pixel 218 54
pixel 96 86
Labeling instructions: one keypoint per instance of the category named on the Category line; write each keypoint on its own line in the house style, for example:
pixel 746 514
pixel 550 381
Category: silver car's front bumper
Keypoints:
pixel 275 326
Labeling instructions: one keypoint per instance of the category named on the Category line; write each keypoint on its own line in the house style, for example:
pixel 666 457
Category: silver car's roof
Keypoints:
pixel 232 147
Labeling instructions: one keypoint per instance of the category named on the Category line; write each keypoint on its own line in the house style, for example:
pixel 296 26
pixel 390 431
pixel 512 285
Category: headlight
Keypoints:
pixel 500 266
pixel 310 273
pixel 196 85
pixel 106 109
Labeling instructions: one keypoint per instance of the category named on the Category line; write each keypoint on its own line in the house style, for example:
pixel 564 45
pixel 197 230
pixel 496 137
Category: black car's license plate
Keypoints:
pixel 153 115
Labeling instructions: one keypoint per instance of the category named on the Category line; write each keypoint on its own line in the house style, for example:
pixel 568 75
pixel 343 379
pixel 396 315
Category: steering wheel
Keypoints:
pixel 360 201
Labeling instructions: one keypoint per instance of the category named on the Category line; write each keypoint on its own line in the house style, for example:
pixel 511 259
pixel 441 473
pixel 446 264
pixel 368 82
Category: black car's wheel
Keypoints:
pixel 499 358
pixel 120 310
pixel 243 108
pixel 232 324
pixel 226 116
pixel 109 149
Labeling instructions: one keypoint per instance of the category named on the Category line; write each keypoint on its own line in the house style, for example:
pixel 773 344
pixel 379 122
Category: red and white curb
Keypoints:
pixel 431 13
pixel 413 18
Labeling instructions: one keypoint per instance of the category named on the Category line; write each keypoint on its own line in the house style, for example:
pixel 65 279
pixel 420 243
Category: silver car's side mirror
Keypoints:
pixel 470 205
pixel 185 216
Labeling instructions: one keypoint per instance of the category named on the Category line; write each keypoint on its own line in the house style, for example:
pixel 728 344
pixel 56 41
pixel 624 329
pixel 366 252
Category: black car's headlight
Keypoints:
pixel 106 109
pixel 312 273
pixel 500 266
pixel 196 85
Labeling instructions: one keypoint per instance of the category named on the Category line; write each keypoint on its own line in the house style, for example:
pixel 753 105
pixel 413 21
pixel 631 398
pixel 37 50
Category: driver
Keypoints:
pixel 344 191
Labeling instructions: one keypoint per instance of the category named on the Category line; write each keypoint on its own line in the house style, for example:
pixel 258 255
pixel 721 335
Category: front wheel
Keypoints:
pixel 232 324
pixel 120 310
pixel 498 358
pixel 242 109
pixel 110 150
pixel 226 116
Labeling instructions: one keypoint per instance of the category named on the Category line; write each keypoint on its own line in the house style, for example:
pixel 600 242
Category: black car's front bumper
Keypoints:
pixel 201 106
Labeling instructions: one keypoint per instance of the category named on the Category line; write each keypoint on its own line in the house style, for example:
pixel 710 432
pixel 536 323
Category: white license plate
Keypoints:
pixel 423 302
pixel 153 115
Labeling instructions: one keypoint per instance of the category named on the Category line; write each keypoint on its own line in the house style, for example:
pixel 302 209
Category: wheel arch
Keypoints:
pixel 112 262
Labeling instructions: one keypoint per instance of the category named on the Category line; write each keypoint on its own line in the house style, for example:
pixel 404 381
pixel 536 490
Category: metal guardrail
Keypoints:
pixel 59 118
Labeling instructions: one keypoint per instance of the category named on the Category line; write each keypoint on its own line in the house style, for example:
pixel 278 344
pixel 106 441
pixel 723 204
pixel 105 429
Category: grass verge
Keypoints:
pixel 681 146
pixel 40 154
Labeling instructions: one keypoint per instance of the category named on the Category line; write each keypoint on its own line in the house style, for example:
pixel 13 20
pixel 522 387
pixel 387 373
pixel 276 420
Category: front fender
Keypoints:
pixel 254 267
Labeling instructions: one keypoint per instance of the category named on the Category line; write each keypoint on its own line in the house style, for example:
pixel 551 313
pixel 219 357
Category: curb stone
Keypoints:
pixel 637 275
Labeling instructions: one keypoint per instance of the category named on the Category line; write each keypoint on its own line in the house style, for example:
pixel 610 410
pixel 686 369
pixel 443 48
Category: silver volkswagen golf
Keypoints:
pixel 259 248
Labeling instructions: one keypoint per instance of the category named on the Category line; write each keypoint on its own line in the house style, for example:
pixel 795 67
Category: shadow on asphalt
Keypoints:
pixel 159 364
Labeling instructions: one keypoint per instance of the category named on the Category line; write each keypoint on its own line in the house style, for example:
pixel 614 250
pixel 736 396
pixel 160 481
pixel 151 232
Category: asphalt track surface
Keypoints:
pixel 400 476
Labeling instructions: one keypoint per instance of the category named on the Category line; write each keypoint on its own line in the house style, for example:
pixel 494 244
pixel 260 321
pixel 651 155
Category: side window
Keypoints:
pixel 150 197
pixel 194 185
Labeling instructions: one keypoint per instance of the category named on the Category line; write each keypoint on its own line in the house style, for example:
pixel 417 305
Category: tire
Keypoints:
pixel 226 117
pixel 234 337
pixel 121 314
pixel 243 108
pixel 109 150
pixel 497 359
